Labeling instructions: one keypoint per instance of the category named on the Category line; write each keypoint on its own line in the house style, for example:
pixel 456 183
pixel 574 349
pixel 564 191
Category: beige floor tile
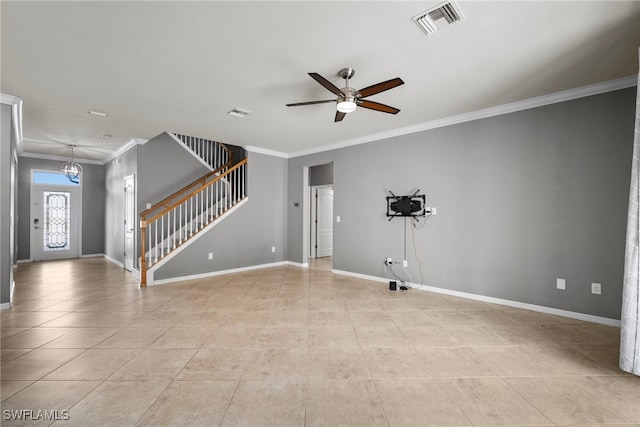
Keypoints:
pixel 154 364
pixel 37 363
pixel 568 361
pixel 218 364
pixel 7 332
pixel 371 319
pixel 32 319
pixel 411 319
pixel 381 337
pixel 55 396
pixel 428 336
pixel 492 402
pixel 94 364
pixel 336 363
pixel 455 317
pixel 328 318
pixel 288 318
pixel 115 403
pixel 267 403
pixel 34 338
pixel 519 334
pixel 11 353
pixel 563 401
pixel 182 337
pixel 620 393
pixel 9 388
pixel 82 338
pixel 230 337
pixel 456 362
pixel 476 335
pixel 418 402
pixel 343 403
pixel 333 336
pixel 277 364
pixel 190 403
pixel 280 338
pixel 133 337
pixel 396 363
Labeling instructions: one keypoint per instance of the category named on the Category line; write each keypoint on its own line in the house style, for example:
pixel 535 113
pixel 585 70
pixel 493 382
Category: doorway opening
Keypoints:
pixel 55 216
pixel 318 212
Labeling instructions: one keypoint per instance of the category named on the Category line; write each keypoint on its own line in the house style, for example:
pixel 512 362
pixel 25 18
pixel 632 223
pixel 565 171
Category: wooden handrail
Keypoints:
pixel 200 181
pixel 192 193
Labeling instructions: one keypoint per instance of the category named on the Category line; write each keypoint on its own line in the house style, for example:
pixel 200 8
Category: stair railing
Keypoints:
pixel 180 216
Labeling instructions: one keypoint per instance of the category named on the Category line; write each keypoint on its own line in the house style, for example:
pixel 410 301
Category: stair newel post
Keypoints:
pixel 143 258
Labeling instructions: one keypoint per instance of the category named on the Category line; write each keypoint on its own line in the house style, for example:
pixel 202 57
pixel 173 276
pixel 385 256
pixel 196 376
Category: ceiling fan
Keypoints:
pixel 348 98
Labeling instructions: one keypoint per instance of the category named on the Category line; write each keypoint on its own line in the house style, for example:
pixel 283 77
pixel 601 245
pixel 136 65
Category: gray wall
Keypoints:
pixel 321 175
pixel 246 237
pixel 7 200
pixel 115 171
pixel 93 204
pixel 523 198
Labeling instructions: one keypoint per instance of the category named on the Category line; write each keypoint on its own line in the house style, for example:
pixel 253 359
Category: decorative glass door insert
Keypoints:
pixel 57 220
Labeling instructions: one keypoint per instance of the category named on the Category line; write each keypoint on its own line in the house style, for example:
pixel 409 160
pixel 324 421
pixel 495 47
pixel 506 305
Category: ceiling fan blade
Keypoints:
pixel 339 116
pixel 380 87
pixel 327 84
pixel 296 104
pixel 377 106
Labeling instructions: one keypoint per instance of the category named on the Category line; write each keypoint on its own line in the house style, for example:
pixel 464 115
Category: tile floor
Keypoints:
pixel 288 346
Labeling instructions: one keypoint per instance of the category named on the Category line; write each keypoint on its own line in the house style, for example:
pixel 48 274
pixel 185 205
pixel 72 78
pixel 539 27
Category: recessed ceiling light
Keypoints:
pixel 239 112
pixel 97 113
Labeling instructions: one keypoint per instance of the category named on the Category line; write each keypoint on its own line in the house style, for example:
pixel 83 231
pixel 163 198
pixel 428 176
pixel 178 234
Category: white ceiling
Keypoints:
pixel 181 66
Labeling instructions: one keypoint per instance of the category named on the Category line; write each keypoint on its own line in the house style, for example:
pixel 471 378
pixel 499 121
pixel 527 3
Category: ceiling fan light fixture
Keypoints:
pixel 347 105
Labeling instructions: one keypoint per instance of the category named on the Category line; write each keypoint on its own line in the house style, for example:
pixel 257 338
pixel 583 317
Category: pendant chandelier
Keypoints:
pixel 72 169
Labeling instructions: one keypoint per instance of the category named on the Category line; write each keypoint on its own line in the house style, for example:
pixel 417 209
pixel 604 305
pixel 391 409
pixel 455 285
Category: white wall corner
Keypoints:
pixel 265 151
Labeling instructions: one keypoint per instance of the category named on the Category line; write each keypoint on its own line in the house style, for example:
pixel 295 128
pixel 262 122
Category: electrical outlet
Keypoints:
pixel 338 218
pixel 273 248
pixel 434 211
pixel 596 288
pixel 210 255
pixel 561 284
pixel 405 264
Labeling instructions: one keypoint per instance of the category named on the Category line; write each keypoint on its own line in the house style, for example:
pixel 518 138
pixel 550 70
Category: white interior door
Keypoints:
pixel 55 218
pixel 322 221
pixel 129 221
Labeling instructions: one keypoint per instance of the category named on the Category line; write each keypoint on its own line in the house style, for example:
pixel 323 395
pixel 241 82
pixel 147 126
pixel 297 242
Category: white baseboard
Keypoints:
pixel 5 306
pixel 23 261
pixel 93 256
pixel 217 273
pixel 297 264
pixel 515 304
pixel 113 260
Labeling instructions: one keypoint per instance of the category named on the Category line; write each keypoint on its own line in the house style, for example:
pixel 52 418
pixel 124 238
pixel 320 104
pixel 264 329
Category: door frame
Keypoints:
pixel 313 225
pixel 79 224
pixel 135 228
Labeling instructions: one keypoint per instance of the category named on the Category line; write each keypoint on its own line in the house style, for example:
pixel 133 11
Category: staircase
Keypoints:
pixel 172 222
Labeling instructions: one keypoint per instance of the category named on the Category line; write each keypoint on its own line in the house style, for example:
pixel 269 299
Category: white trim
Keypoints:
pixel 539 101
pixel 92 256
pixel 509 303
pixel 123 149
pixel 16 117
pixel 60 158
pixel 297 264
pixel 151 271
pixel 113 260
pixel 265 151
pixel 5 306
pixel 24 261
pixel 218 273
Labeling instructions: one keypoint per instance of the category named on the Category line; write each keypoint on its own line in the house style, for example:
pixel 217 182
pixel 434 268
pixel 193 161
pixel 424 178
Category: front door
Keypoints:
pixel 129 221
pixel 55 216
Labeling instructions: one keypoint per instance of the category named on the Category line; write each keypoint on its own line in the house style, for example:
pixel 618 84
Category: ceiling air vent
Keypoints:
pixel 449 11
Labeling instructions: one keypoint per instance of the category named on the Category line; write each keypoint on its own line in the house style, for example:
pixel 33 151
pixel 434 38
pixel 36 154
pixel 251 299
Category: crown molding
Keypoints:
pixel 266 151
pixel 16 117
pixel 123 149
pixel 60 158
pixel 539 101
